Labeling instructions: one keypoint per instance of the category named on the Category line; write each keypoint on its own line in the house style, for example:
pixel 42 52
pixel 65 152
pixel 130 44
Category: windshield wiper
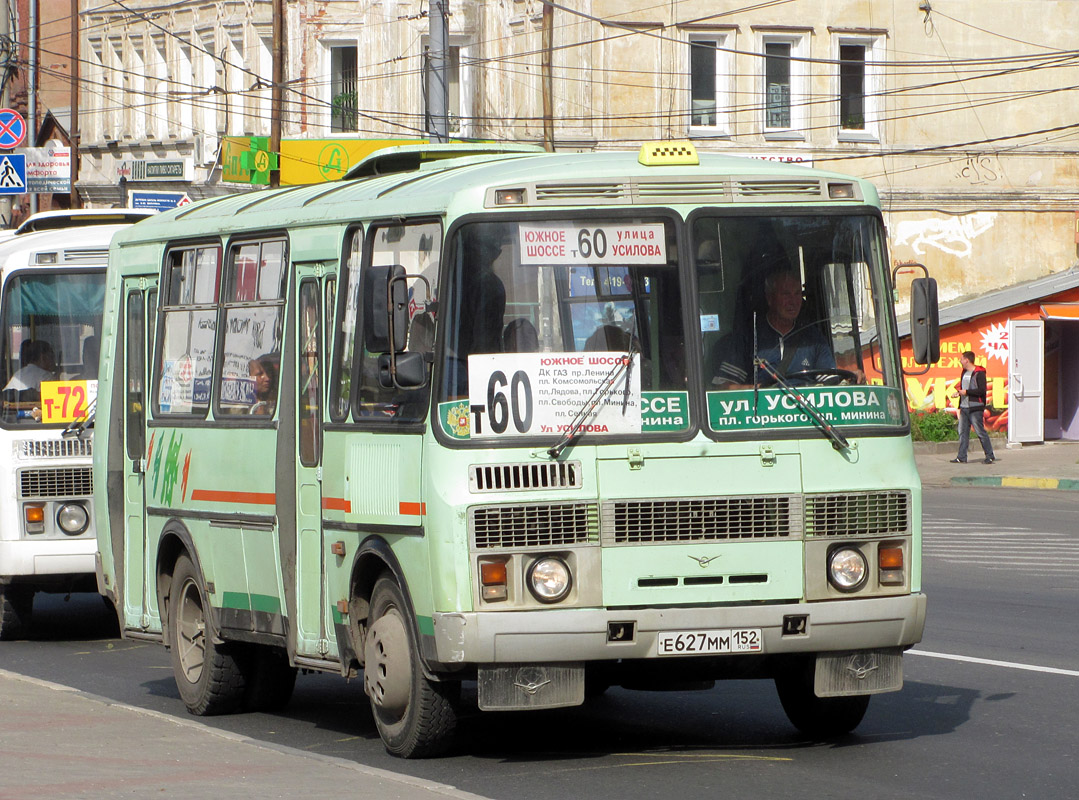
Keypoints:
pixel 839 441
pixel 78 425
pixel 624 365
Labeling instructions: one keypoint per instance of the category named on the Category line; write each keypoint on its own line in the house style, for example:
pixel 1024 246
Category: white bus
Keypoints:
pixel 52 292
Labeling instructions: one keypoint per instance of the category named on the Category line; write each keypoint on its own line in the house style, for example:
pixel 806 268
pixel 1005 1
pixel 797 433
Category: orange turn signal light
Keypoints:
pixel 890 557
pixel 493 573
pixel 35 513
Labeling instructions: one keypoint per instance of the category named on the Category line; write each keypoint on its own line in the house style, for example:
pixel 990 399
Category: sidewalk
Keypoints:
pixel 57 742
pixel 1053 465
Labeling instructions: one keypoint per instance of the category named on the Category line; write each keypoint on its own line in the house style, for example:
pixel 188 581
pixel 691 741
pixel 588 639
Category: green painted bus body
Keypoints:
pixel 273 580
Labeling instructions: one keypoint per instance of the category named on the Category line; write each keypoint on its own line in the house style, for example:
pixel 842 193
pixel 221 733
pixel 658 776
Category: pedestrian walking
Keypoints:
pixel 971 390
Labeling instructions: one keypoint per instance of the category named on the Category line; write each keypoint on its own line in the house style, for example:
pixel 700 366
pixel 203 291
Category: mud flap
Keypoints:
pixel 858 672
pixel 529 686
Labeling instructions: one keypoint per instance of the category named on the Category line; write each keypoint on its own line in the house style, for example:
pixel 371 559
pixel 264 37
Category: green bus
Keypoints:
pixel 467 418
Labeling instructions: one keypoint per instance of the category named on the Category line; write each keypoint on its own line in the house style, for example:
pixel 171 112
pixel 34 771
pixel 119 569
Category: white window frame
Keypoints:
pixel 137 95
pixel 799 88
pixel 464 45
pixel 873 87
pixel 723 72
pixel 328 46
pixel 157 56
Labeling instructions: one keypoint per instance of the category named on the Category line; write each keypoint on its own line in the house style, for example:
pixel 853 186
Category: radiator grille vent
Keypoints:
pixel 524 477
pixel 534 525
pixel 761 188
pixel 48 483
pixel 856 514
pixel 55 448
pixel 85 255
pixel 701 519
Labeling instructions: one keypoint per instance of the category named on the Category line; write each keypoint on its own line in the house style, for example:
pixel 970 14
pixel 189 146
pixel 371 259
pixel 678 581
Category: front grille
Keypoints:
pixel 524 477
pixel 701 519
pixel 46 483
pixel 55 448
pixel 857 514
pixel 534 525
pixel 773 188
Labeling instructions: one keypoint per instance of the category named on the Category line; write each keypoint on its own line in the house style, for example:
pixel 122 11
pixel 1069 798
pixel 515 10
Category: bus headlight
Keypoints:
pixel 549 579
pixel 847 569
pixel 72 518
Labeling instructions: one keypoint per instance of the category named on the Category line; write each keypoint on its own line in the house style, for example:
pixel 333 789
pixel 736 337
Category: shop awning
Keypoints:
pixel 1060 311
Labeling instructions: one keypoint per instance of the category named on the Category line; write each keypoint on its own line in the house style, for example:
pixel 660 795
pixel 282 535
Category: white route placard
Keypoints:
pixel 603 244
pixel 530 394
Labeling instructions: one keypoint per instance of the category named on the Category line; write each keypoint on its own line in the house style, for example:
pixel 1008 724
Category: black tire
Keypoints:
pixel 270 679
pixel 16 608
pixel 818 717
pixel 210 677
pixel 415 716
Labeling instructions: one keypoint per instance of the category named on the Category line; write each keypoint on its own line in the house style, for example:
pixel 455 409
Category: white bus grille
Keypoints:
pixel 46 483
pixel 84 255
pixel 701 519
pixel 524 476
pixel 858 514
pixel 535 525
pixel 55 448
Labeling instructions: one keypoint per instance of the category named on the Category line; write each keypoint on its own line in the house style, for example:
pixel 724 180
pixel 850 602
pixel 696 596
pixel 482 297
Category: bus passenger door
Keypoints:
pixel 310 561
pixel 139 302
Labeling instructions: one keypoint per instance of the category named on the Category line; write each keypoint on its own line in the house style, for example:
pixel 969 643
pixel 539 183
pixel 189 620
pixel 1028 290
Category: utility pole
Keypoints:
pixel 437 93
pixel 31 93
pixel 73 130
pixel 546 78
pixel 280 54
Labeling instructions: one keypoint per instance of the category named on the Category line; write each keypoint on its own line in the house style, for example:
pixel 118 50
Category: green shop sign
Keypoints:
pixel 842 406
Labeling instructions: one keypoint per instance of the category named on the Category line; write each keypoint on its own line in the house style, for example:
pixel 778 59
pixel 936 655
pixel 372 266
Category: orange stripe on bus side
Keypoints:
pixel 337 504
pixel 249 498
pixel 412 509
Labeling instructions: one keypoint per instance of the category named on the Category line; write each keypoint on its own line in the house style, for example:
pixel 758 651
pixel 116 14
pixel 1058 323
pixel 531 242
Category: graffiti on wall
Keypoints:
pixel 952 235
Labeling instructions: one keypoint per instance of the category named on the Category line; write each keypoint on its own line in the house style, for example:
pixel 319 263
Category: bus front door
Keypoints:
pixel 140 300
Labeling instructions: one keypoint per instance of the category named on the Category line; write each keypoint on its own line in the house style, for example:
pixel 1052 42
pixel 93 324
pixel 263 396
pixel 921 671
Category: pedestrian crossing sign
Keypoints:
pixel 12 173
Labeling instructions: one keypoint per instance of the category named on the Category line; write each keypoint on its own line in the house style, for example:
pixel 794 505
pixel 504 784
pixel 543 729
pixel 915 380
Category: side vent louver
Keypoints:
pixel 524 476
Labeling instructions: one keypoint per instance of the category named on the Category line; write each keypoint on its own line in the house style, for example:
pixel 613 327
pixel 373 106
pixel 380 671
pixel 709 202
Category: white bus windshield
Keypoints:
pixel 49 363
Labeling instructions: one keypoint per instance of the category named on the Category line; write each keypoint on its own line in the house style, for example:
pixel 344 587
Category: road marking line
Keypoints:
pixel 990 662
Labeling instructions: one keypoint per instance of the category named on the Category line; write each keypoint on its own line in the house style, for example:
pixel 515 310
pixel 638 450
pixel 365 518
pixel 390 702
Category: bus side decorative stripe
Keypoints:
pixel 337 504
pixel 412 509
pixel 251 498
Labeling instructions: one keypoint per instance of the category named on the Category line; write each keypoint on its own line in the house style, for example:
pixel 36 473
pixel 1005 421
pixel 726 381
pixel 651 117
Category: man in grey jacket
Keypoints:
pixel 972 392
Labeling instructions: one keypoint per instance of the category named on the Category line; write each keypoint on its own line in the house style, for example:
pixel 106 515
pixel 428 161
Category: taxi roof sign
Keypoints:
pixel 668 154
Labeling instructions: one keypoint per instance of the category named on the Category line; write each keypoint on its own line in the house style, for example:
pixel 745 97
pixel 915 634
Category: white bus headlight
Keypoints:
pixel 72 518
pixel 549 579
pixel 847 569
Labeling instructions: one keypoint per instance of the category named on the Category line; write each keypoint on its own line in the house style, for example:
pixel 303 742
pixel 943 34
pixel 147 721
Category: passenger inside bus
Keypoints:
pixel 90 353
pixel 263 370
pixel 520 336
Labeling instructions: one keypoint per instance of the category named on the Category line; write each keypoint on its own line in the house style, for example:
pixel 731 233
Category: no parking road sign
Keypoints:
pixel 12 128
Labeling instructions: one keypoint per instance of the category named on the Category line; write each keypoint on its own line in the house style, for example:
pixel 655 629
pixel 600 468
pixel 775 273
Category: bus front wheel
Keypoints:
pixel 818 717
pixel 16 606
pixel 415 716
pixel 208 675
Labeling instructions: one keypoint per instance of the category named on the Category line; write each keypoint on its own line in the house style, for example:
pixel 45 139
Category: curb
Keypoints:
pixel 1011 482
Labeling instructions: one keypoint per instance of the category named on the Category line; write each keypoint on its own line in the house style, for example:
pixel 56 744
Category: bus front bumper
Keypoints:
pixel 47 557
pixel 585 634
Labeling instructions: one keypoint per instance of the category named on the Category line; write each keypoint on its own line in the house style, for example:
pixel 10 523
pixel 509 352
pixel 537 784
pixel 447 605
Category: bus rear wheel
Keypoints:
pixel 415 716
pixel 208 676
pixel 818 717
pixel 16 606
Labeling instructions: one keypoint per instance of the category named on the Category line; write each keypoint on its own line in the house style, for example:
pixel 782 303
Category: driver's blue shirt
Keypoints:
pixel 734 355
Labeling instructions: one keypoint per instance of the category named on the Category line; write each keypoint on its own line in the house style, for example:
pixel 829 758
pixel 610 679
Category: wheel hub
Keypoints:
pixel 387 671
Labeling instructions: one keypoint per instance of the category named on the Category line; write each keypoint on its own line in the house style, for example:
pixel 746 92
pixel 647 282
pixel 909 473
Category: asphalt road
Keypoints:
pixel 989 708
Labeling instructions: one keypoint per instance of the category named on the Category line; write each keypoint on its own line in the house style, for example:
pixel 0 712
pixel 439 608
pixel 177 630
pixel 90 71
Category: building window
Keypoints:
pixel 709 72
pixel 784 91
pixel 344 96
pixel 857 89
pixel 458 90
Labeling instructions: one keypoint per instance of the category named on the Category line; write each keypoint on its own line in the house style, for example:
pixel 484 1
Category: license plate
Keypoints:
pixel 729 640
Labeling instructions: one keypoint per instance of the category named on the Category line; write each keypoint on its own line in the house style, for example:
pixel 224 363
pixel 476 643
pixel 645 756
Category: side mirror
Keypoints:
pixel 924 321
pixel 403 371
pixel 385 309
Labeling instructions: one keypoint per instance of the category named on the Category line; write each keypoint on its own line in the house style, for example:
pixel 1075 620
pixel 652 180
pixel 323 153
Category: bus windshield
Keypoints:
pixel 793 296
pixel 541 312
pixel 50 346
